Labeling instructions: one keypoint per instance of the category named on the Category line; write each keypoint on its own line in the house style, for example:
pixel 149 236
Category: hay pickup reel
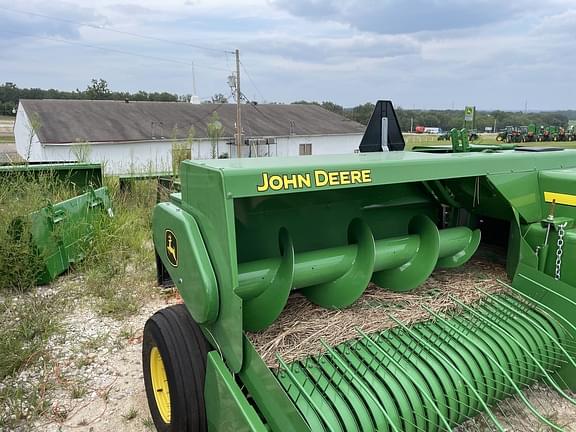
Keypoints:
pixel 243 236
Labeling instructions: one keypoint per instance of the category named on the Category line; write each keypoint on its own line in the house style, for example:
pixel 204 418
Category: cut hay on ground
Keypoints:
pixel 297 332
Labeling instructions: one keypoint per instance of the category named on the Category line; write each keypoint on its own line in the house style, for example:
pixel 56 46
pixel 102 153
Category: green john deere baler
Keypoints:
pixel 244 235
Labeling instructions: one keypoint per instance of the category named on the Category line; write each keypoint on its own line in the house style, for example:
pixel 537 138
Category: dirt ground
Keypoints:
pixel 100 387
pixel 107 370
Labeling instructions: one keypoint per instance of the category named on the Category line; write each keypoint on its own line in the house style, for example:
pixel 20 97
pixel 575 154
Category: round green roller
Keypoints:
pixel 513 355
pixel 526 336
pixel 494 351
pixel 345 290
pixel 468 401
pixel 434 371
pixel 478 378
pixel 413 273
pixel 385 396
pixel 543 323
pixel 513 363
pixel 365 349
pixel 407 400
pixel 428 376
pixel 486 372
pixel 432 389
pixel 552 328
pixel 322 374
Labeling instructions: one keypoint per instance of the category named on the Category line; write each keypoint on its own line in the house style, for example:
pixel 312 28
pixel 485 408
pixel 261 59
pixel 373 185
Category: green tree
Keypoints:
pixel 214 132
pixel 219 98
pixel 98 89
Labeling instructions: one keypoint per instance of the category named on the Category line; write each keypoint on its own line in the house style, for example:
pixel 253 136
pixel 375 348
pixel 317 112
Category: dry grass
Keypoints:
pixel 297 332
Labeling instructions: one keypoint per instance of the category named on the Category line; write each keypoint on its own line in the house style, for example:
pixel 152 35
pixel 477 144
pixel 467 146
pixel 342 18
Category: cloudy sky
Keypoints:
pixel 420 53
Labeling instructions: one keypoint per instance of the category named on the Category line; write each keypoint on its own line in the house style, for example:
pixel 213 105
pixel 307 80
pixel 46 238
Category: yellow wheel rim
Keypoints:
pixel 160 385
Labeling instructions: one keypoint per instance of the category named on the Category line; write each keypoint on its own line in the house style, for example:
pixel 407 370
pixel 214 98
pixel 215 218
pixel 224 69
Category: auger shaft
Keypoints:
pixel 336 277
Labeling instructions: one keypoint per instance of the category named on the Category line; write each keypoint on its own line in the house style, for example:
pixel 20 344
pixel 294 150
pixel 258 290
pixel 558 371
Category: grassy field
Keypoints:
pixel 116 277
pixel 414 140
pixel 6 135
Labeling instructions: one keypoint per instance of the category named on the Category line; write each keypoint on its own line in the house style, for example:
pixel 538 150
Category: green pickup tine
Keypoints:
pixel 449 363
pixel 493 360
pixel 422 391
pixel 537 324
pixel 538 364
pixel 303 392
pixel 341 364
pixel 544 307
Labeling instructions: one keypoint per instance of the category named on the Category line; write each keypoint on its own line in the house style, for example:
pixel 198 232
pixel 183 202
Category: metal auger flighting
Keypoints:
pixel 337 277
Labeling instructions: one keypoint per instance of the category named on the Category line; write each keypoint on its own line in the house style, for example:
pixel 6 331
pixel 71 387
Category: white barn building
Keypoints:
pixel 133 137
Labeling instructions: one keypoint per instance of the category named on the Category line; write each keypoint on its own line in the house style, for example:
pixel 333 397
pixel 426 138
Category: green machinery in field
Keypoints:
pixel 571 133
pixel 78 175
pixel 60 232
pixel 244 234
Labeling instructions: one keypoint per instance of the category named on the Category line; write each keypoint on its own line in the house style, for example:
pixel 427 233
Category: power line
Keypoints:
pixel 252 81
pixel 112 30
pixel 171 60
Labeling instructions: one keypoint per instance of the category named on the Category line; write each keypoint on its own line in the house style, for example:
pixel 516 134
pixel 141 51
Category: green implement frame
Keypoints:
pixel 61 232
pixel 243 234
pixel 79 175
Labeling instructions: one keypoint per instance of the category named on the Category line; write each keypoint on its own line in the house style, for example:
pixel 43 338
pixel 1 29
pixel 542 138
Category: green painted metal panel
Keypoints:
pixel 78 175
pixel 522 193
pixel 244 176
pixel 179 244
pixel 276 407
pixel 60 232
pixel 204 196
pixel 227 408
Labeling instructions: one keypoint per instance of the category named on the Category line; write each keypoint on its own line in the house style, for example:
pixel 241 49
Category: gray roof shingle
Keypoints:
pixel 64 121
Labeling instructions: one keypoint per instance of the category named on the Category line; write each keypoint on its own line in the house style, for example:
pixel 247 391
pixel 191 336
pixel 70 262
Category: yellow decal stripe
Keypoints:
pixel 560 198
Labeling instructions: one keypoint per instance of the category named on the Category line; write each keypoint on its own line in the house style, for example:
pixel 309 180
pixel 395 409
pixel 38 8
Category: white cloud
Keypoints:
pixel 420 53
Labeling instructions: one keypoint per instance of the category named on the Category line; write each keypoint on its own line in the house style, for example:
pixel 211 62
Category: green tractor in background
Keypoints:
pixel 571 134
pixel 503 134
pixel 472 136
pixel 531 133
pixel 510 134
pixel 555 133
pixel 544 134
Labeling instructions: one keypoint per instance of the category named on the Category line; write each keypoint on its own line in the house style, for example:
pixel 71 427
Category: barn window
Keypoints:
pixel 305 149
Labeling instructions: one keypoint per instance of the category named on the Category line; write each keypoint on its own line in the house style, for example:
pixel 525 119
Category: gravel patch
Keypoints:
pixel 92 371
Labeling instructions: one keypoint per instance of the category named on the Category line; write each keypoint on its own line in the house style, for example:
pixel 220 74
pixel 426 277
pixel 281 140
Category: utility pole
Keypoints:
pixel 238 106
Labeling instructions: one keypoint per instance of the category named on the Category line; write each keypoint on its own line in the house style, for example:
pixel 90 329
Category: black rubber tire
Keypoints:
pixel 183 349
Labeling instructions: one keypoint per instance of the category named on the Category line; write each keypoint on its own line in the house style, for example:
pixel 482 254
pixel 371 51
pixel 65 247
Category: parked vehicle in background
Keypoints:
pixel 511 134
pixel 428 130
pixel 571 133
pixel 531 133
pixel 472 136
pixel 544 134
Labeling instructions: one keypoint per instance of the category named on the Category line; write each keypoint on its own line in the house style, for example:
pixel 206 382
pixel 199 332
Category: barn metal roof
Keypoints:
pixel 65 121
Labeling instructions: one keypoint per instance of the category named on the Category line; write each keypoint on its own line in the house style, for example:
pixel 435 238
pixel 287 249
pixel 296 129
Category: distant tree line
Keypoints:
pixel 10 94
pixel 448 119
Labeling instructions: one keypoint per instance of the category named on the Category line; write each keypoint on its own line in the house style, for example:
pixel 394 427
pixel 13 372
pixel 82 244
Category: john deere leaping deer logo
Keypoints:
pixel 171 248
